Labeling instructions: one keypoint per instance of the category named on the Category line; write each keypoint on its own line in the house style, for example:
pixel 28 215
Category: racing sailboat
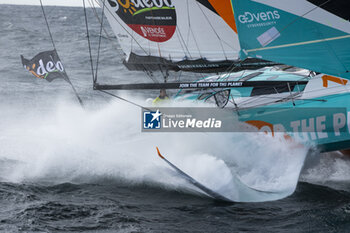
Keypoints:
pixel 311 34
pixel 172 35
pixel 196 36
pixel 200 35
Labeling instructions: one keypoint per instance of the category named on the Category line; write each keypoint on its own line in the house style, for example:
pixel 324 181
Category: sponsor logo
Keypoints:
pixel 49 67
pixel 152 120
pixel 260 19
pixel 154 20
pixel 45 65
pixel 249 17
pixel 153 32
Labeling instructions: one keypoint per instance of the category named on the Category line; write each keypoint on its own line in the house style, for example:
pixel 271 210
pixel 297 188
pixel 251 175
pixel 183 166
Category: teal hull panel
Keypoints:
pixel 325 125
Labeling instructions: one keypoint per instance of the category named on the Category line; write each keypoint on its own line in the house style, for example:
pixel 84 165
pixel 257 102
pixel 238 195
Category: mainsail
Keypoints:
pixel 190 35
pixel 312 34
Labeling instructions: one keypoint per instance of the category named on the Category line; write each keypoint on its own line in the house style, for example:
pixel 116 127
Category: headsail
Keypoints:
pixel 311 34
pixel 190 35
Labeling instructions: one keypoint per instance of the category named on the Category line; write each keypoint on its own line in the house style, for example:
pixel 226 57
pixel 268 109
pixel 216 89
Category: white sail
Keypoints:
pixel 170 31
pixel 177 29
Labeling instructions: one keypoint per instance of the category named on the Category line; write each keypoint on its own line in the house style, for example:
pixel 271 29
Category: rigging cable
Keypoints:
pixel 91 61
pixel 190 29
pixel 89 44
pixel 130 34
pixel 123 99
pixel 47 24
pixel 302 16
pixel 92 5
pixel 99 42
pixel 296 19
pixel 54 46
pixel 149 74
pixel 216 34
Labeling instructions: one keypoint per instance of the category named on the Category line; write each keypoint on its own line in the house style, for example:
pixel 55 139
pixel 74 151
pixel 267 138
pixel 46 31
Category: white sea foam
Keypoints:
pixel 69 144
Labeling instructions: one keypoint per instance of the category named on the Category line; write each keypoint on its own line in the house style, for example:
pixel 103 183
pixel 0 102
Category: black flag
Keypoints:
pixel 46 65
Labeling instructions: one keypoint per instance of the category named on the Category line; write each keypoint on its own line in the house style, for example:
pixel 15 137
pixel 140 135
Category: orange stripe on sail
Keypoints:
pixel 224 9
